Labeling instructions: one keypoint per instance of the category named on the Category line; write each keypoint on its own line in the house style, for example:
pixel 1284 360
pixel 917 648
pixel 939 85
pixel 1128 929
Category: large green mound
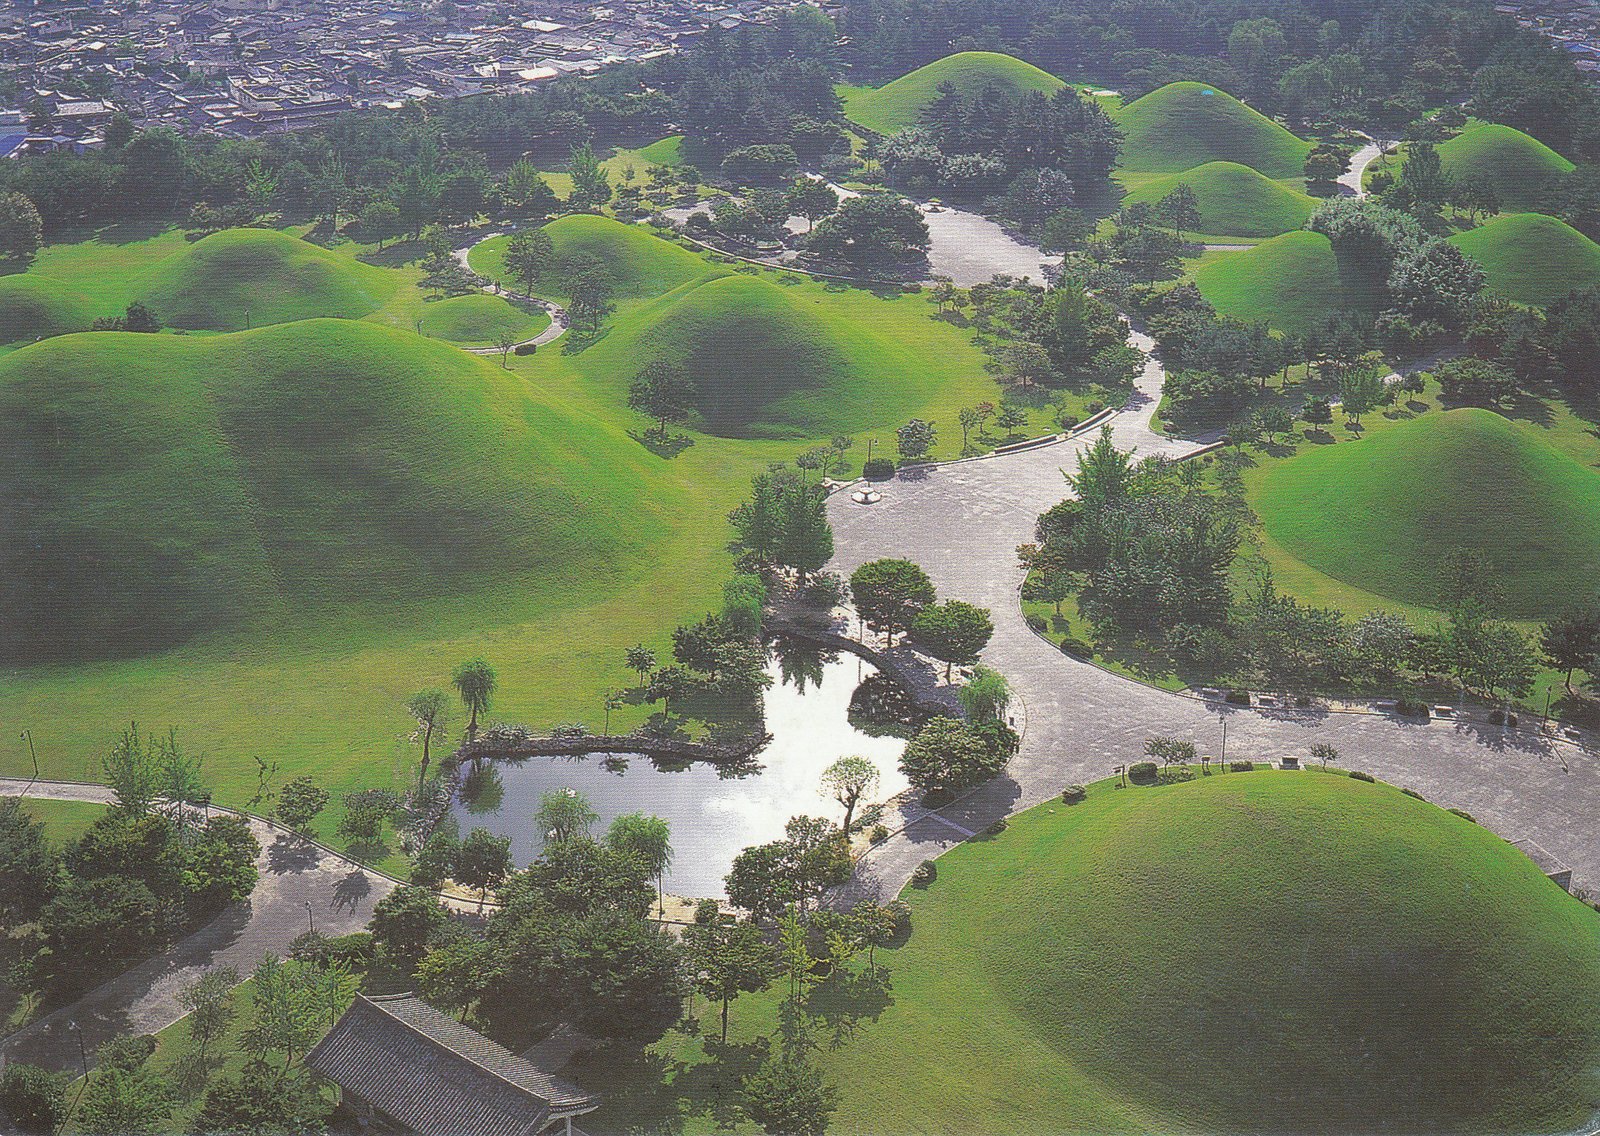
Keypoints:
pixel 1516 165
pixel 242 278
pixel 1290 282
pixel 159 486
pixel 639 263
pixel 36 307
pixel 1531 258
pixel 770 362
pixel 900 103
pixel 1183 125
pixel 1384 513
pixel 1260 952
pixel 480 319
pixel 1234 200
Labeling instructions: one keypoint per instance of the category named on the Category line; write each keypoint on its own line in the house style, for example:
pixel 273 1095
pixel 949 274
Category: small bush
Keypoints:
pixel 707 912
pixel 878 469
pixel 1068 421
pixel 1143 772
pixel 355 950
pixel 1358 775
pixel 1413 793
pixel 127 1053
pixel 1094 406
pixel 925 874
pixel 1497 717
pixel 1511 719
pixel 525 349
pixel 1238 698
pixel 1073 794
pixel 1464 815
pixel 35 1098
pixel 878 834
pixel 1242 766
pixel 1176 775
pixel 1037 622
pixel 1408 707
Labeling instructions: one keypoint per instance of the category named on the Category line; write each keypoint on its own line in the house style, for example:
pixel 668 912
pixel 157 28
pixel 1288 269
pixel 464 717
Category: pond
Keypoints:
pixel 713 816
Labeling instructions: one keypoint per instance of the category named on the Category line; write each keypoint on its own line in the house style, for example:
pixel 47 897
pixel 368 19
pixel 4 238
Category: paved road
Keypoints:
pixel 294 874
pixel 962 523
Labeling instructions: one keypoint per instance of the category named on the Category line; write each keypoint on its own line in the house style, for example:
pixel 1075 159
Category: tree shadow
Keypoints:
pixel 352 889
pixel 848 997
pixel 663 447
pixel 291 854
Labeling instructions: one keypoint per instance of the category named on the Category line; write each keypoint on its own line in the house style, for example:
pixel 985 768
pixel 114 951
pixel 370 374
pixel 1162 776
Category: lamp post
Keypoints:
pixel 83 1056
pixel 28 736
pixel 311 923
pixel 1223 760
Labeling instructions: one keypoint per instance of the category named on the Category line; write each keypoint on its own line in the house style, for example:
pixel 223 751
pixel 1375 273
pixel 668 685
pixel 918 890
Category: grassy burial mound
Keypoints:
pixel 1234 200
pixel 1184 125
pixel 1384 514
pixel 776 362
pixel 1255 952
pixel 1531 258
pixel 900 103
pixel 158 487
pixel 36 307
pixel 1515 165
pixel 480 320
pixel 1291 282
pixel 243 278
pixel 639 263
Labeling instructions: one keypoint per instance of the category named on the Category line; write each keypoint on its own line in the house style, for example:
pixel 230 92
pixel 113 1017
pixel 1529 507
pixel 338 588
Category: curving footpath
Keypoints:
pixel 301 884
pixel 962 522
pixel 557 314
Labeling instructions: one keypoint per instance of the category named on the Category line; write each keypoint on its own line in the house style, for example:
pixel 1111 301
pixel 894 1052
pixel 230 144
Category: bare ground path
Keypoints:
pixel 962 523
pixel 301 884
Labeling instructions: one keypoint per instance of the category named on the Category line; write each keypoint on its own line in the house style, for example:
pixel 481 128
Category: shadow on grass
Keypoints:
pixel 669 446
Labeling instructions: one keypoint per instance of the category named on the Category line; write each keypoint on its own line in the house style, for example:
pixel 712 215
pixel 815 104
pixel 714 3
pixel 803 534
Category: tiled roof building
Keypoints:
pixel 413 1068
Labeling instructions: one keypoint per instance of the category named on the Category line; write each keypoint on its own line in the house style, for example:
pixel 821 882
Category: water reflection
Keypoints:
pixel 714 812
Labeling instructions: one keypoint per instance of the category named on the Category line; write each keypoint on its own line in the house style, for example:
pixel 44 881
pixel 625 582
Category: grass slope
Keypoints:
pixel 640 263
pixel 36 307
pixel 480 319
pixel 1291 282
pixel 1518 166
pixel 1250 952
pixel 1531 258
pixel 774 362
pixel 1183 125
pixel 64 821
pixel 900 103
pixel 242 278
pixel 1234 200
pixel 1471 479
pixel 304 466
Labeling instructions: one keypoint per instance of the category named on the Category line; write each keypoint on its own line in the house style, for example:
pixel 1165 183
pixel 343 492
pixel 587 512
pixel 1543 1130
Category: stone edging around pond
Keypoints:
pixel 785 624
pixel 643 744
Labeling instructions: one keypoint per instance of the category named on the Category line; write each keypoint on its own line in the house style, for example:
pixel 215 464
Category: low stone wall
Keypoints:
pixel 677 749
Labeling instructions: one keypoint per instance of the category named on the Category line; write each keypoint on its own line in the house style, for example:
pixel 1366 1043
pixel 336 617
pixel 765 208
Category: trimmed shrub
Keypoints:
pixel 878 469
pixel 925 874
pixel 1464 815
pixel 1036 623
pixel 878 834
pixel 997 827
pixel 1413 793
pixel 1497 717
pixel 1073 794
pixel 1511 719
pixel 525 349
pixel 1143 772
pixel 1238 698
pixel 1242 766
pixel 1408 707
pixel 1357 775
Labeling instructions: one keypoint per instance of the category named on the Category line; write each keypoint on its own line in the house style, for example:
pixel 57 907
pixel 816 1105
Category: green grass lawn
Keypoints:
pixel 1515 165
pixel 64 821
pixel 355 509
pixel 480 320
pixel 1290 282
pixel 1183 125
pixel 1530 258
pixel 639 263
pixel 900 103
pixel 1234 200
pixel 1248 952
pixel 1384 515
pixel 36 307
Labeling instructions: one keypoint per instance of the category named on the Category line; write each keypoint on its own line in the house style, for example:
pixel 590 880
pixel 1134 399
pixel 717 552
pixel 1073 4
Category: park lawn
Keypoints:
pixel 480 320
pixel 318 687
pixel 1290 282
pixel 64 821
pixel 1362 959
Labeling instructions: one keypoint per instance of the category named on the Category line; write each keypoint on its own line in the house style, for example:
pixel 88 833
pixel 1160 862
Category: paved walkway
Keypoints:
pixel 1350 181
pixel 300 884
pixel 962 522
pixel 557 314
